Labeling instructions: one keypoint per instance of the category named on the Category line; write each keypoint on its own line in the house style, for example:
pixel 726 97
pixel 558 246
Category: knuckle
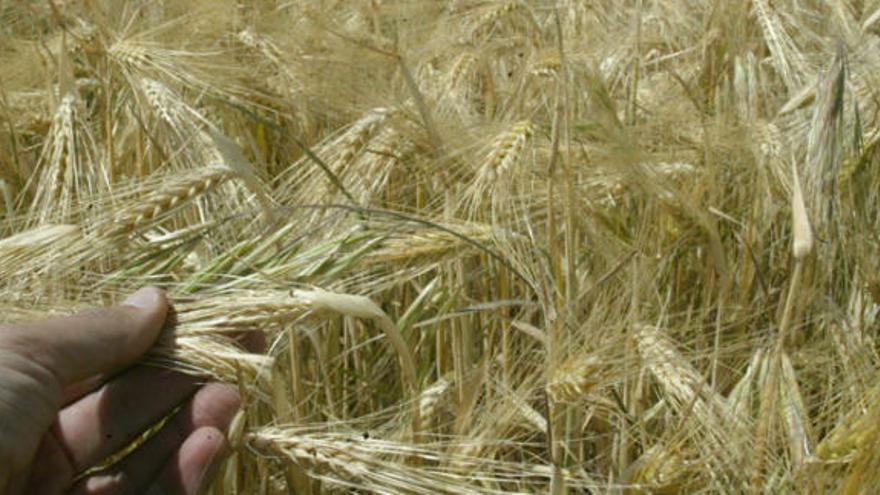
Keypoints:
pixel 107 483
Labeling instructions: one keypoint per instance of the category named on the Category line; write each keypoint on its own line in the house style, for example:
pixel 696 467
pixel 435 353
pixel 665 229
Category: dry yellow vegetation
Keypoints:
pixel 568 246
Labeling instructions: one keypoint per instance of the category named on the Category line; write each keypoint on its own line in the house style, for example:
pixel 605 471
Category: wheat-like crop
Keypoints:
pixel 166 199
pixel 492 246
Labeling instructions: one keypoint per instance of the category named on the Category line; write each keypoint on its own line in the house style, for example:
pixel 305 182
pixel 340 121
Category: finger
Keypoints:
pixel 15 486
pixel 40 359
pixel 52 472
pixel 91 342
pixel 104 421
pixel 80 389
pixel 111 417
pixel 191 469
pixel 214 406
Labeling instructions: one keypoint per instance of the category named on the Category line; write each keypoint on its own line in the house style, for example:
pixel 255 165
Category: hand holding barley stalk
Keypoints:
pixel 71 398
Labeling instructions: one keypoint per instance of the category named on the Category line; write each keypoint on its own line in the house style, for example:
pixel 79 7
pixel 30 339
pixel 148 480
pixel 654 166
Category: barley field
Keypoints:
pixel 494 246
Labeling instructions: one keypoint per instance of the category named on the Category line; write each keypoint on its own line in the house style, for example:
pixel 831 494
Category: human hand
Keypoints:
pixel 68 400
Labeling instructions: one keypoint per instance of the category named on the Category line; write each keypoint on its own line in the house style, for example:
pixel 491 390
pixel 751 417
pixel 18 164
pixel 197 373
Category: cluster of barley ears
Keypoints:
pixel 492 246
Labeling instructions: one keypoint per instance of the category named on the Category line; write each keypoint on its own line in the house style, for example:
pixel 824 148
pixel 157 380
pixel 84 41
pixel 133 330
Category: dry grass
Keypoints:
pixel 493 246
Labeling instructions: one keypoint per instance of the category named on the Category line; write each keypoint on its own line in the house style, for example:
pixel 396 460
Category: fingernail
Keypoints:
pixel 145 298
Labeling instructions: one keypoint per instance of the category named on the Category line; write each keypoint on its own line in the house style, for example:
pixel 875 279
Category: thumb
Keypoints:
pixel 75 347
